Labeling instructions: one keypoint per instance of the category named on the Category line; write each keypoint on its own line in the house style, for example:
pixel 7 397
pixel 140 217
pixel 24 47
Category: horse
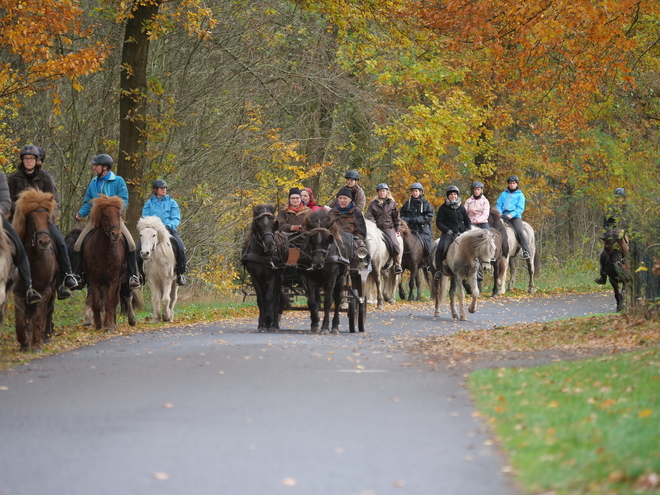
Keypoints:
pixel 159 266
pixel 515 249
pixel 6 272
pixel 412 259
pixel 34 322
pixel 382 276
pixel 466 254
pixel 104 262
pixel 616 246
pixel 263 251
pixel 326 253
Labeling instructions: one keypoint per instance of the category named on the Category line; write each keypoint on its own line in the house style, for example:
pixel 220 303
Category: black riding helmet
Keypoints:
pixel 30 149
pixel 158 183
pixel 477 184
pixel 103 159
pixel 452 189
pixel 352 174
pixel 513 178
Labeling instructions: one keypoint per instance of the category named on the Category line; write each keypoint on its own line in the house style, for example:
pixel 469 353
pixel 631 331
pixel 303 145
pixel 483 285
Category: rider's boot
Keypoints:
pixel 602 279
pixel 181 279
pixel 131 264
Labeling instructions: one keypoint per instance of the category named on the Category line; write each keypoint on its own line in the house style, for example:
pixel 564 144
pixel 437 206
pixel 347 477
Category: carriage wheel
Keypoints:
pixel 352 314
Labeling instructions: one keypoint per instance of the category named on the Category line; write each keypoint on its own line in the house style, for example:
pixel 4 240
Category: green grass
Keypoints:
pixel 588 427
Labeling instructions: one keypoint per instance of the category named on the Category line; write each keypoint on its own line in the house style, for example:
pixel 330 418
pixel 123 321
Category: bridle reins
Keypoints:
pixel 37 233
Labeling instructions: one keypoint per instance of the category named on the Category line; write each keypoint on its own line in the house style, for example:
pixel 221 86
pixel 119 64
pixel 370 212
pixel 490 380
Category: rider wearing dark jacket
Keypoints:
pixel 349 218
pixel 452 220
pixel 385 214
pixel 615 217
pixel 418 214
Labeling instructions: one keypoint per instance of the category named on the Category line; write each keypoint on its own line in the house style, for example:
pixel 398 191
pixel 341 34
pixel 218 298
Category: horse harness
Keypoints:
pixel 334 258
pixel 39 232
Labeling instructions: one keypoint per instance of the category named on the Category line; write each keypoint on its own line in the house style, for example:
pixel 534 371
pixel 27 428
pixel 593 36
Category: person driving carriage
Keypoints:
pixel 357 193
pixel 452 219
pixel 105 182
pixel 350 219
pixel 615 217
pixel 30 174
pixel 511 204
pixel 417 212
pixel 384 213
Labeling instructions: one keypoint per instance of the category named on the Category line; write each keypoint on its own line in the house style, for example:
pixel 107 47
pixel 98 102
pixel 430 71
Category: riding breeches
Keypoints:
pixel 517 225
pixel 61 251
pixel 441 250
pixel 90 225
pixel 179 252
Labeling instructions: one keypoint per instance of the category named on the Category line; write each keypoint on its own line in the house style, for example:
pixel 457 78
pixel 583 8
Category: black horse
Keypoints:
pixel 614 257
pixel 325 257
pixel 263 252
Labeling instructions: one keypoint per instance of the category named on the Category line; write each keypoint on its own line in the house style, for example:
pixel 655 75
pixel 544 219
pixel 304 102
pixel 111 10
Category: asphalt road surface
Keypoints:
pixel 221 409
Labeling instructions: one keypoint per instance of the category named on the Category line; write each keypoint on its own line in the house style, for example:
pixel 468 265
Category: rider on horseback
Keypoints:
pixel 350 219
pixel 452 220
pixel 29 173
pixel 107 183
pixel 384 213
pixel 478 206
pixel 615 217
pixel 357 193
pixel 418 213
pixel 511 204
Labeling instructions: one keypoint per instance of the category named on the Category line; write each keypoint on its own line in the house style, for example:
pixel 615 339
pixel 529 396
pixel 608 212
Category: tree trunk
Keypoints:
pixel 133 105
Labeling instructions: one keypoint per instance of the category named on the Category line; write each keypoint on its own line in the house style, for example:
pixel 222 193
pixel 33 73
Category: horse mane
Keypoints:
pixel 478 243
pixel 102 202
pixel 494 217
pixel 403 228
pixel 155 223
pixel 320 219
pixel 28 201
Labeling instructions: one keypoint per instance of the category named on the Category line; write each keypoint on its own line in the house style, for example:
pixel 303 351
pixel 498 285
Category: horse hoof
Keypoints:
pixel 47 340
pixel 109 330
pixel 437 313
pixel 26 347
pixel 463 318
pixel 495 295
pixel 325 331
pixel 380 306
pixel 472 310
pixel 36 350
pixel 315 329
pixel 335 330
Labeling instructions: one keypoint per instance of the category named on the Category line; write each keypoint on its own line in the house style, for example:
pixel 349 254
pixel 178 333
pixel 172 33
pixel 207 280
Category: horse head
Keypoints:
pixel 264 226
pixel 152 233
pixel 35 209
pixel 321 234
pixel 106 215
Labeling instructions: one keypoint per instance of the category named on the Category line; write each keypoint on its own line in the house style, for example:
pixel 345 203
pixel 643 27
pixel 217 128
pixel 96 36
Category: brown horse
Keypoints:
pixel 34 211
pixel 413 260
pixel 104 260
pixel 616 246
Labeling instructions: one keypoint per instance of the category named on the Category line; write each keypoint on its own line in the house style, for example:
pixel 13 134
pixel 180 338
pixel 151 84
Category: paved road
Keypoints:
pixel 220 409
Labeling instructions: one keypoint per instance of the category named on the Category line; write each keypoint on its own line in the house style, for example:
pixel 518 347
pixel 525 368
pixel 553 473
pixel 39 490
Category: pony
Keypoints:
pixel 159 266
pixel 6 272
pixel 382 277
pixel 412 259
pixel 263 252
pixel 466 254
pixel 514 250
pixel 616 246
pixel 104 262
pixel 35 209
pixel 326 251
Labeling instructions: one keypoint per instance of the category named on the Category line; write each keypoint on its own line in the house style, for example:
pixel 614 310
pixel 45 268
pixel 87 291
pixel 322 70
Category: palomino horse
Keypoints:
pixel 327 252
pixel 104 262
pixel 159 266
pixel 515 249
pixel 263 252
pixel 615 250
pixel 382 276
pixel 412 259
pixel 6 271
pixel 34 211
pixel 466 254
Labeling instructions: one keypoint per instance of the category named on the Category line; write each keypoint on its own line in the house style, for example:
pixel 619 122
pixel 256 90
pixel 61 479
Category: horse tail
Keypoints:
pixel 125 293
pixel 537 262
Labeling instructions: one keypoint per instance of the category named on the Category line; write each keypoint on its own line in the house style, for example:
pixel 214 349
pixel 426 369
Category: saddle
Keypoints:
pixel 388 243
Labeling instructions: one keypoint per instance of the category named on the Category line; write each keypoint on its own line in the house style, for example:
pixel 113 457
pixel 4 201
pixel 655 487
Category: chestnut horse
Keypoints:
pixel 34 211
pixel 412 259
pixel 104 260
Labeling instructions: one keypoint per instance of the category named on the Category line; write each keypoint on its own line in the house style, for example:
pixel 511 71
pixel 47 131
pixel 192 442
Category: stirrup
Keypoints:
pixel 32 296
pixel 134 282
pixel 71 281
pixel 63 293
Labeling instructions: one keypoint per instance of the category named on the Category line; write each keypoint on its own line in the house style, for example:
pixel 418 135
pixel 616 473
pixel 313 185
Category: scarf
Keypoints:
pixel 300 207
pixel 346 210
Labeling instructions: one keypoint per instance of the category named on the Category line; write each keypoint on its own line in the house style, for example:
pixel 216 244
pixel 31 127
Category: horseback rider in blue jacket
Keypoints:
pixel 107 183
pixel 167 209
pixel 511 204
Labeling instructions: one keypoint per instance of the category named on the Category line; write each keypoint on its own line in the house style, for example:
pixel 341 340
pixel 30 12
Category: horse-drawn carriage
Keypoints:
pixel 319 263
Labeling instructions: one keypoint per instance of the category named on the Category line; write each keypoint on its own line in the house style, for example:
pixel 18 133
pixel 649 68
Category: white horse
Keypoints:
pixel 470 250
pixel 159 266
pixel 6 272
pixel 382 280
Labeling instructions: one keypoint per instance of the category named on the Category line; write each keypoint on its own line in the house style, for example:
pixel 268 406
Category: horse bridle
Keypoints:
pixel 261 238
pixel 39 232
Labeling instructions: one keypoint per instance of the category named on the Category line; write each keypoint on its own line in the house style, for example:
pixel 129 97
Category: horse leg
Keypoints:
pixel 475 293
pixel 336 293
pixel 327 303
pixel 313 296
pixel 174 294
pixel 530 270
pixel 95 295
pixel 440 287
pixel 379 291
pixel 452 297
pixel 164 301
pixel 618 296
pixel 512 268
pixel 261 303
pixel 21 324
pixel 110 307
pixel 275 303
pixel 402 291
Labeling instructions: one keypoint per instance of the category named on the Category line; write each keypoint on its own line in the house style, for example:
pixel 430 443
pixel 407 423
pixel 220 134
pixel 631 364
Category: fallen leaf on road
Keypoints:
pixel 289 482
pixel 160 476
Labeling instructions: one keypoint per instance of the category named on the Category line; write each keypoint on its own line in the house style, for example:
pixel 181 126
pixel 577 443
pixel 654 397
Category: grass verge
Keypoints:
pixel 588 427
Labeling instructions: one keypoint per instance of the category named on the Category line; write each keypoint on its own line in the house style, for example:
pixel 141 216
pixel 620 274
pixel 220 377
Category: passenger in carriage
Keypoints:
pixel 167 209
pixel 478 206
pixel 290 218
pixel 511 204
pixel 357 193
pixel 307 197
pixel 418 214
pixel 384 213
pixel 615 217
pixel 452 219
pixel 30 174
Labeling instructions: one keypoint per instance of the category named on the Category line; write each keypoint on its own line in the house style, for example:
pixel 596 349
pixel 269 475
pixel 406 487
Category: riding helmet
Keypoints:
pixel 103 159
pixel 417 185
pixel 382 185
pixel 452 189
pixel 42 153
pixel 477 184
pixel 620 191
pixel 352 174
pixel 30 149
pixel 158 183
pixel 513 178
